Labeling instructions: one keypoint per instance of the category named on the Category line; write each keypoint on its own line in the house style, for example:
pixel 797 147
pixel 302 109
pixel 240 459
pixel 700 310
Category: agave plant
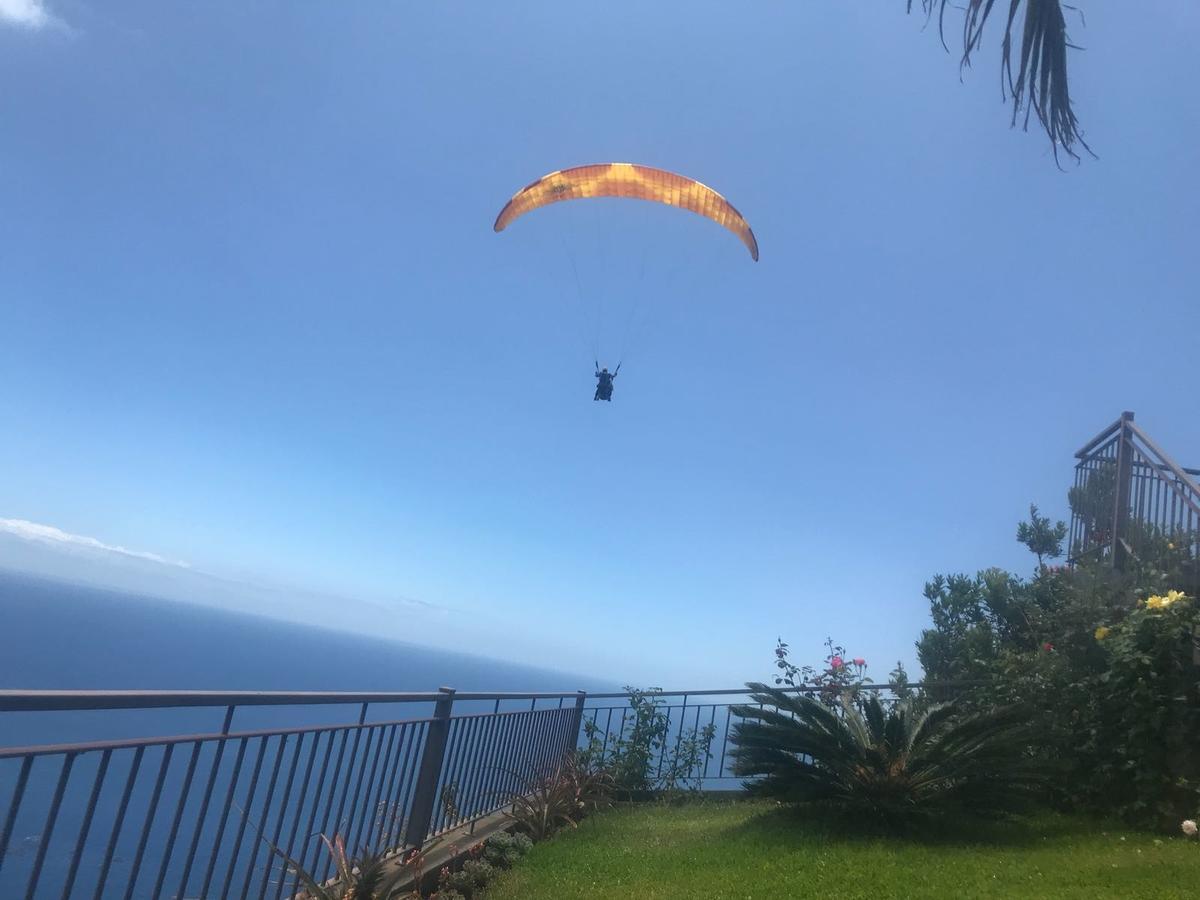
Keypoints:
pixel 367 876
pixel 910 760
pixel 557 797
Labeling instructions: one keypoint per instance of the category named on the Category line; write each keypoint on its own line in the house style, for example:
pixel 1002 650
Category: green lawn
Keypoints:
pixel 753 850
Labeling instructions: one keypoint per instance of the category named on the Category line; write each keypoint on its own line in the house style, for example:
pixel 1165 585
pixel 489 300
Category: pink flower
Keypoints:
pixel 836 663
pixel 1047 646
pixel 859 661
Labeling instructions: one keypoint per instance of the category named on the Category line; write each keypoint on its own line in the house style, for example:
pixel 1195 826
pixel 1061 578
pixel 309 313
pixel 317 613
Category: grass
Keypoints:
pixel 752 850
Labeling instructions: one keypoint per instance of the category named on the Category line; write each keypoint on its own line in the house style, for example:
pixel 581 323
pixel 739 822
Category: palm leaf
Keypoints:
pixel 1035 77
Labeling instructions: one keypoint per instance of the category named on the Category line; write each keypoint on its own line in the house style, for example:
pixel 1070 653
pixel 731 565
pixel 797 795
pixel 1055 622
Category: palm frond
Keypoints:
pixel 912 759
pixel 1034 76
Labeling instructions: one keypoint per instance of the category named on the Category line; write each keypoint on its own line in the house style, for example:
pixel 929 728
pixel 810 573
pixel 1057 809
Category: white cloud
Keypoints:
pixel 48 534
pixel 26 13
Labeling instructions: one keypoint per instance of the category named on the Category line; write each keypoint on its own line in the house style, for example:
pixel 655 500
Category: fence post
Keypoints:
pixel 1124 484
pixel 577 720
pixel 425 792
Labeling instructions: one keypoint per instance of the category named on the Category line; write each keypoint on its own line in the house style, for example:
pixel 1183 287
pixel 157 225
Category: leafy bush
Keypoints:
pixel 479 871
pixel 642 759
pixel 505 849
pixel 1105 660
pixel 451 883
pixel 911 760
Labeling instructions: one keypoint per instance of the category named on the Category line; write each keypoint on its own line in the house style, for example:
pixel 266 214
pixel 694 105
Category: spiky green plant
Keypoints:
pixel 1035 76
pixel 911 760
pixel 367 876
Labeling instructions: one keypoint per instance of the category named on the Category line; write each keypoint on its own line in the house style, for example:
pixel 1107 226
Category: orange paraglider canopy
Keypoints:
pixel 629 180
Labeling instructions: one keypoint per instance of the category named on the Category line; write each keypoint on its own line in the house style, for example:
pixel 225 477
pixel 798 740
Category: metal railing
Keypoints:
pixel 184 815
pixel 1131 500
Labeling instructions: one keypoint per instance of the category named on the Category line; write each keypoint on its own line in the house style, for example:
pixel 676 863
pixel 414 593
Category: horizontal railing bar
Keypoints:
pixel 1100 438
pixel 163 741
pixel 1163 458
pixel 46 701
pixel 789 690
pixel 60 701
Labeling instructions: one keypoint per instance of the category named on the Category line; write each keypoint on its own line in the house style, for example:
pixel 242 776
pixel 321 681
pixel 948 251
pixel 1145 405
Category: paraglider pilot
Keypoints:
pixel 604 382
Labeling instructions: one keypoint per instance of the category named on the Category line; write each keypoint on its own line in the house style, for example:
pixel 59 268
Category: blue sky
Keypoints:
pixel 253 315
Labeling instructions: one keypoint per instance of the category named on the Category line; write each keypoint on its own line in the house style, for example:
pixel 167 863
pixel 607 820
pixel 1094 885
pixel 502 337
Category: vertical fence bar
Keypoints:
pixel 577 720
pixel 135 870
pixel 210 870
pixel 118 823
pixel 218 753
pixel 409 781
pixel 358 784
pixel 301 801
pixel 262 819
pixel 283 806
pixel 431 770
pixel 1120 522
pixel 312 819
pixel 396 813
pixel 175 820
pixel 86 825
pixel 245 811
pixel 371 808
pixel 48 829
pixel 14 806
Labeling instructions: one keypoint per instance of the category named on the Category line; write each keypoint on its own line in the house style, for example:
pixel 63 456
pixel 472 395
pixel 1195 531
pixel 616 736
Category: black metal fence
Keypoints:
pixel 606 719
pixel 184 815
pixel 1131 501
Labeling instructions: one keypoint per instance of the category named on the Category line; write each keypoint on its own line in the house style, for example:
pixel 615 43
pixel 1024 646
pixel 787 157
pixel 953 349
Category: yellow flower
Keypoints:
pixel 1162 602
pixel 1102 632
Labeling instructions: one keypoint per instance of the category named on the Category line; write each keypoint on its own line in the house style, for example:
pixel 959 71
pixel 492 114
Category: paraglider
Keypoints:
pixel 626 180
pixel 604 382
pixel 629 180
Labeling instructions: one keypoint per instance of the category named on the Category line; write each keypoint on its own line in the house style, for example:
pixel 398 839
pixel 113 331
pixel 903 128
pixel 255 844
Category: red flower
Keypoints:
pixel 1047 646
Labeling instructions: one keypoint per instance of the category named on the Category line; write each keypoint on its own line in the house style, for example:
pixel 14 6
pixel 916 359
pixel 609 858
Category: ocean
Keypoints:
pixel 62 636
pixel 56 635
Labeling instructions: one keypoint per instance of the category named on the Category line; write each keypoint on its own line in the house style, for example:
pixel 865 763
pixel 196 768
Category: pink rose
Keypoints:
pixel 836 663
pixel 859 661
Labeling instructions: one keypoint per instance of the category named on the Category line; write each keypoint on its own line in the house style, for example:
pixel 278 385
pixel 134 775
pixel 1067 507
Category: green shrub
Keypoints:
pixel 479 871
pixel 642 758
pixel 909 761
pixel 1105 660
pixel 459 882
pixel 503 849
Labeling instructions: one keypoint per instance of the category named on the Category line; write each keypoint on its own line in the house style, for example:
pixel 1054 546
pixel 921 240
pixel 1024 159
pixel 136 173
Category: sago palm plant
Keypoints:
pixel 911 760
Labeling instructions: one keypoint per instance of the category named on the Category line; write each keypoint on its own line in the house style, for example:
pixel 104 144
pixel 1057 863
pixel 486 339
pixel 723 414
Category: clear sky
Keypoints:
pixel 253 315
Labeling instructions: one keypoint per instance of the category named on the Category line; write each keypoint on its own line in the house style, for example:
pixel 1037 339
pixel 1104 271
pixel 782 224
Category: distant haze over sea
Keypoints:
pixel 67 636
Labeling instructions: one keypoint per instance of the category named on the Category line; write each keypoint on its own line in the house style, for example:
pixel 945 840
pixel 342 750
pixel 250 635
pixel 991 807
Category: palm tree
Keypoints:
pixel 1034 77
pixel 910 760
